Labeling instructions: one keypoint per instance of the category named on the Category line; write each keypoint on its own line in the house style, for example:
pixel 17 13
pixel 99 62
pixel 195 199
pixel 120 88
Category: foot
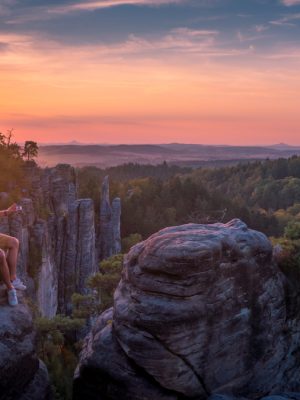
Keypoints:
pixel 12 297
pixel 18 284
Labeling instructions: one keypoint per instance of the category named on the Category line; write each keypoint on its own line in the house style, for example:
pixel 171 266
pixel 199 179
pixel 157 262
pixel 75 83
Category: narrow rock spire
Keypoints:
pixel 110 214
pixel 116 225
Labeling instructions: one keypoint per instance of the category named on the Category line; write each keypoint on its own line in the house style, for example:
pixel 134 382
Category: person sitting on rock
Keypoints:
pixel 9 248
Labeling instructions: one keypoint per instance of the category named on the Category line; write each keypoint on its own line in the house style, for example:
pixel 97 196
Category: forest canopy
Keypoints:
pixel 265 194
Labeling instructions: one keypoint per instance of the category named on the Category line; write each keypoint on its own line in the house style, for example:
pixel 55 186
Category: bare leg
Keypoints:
pixel 5 270
pixel 13 250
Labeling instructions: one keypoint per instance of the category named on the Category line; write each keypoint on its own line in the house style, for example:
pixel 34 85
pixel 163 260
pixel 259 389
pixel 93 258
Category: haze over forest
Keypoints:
pixel 190 155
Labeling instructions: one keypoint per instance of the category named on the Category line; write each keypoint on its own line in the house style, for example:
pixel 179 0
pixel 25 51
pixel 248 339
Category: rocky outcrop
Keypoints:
pixel 58 249
pixel 22 375
pixel 69 237
pixel 116 225
pixel 57 238
pixel 43 268
pixel 200 310
pixel 110 236
pixel 77 252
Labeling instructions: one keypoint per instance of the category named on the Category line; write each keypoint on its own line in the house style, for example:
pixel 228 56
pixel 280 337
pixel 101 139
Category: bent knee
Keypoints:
pixel 15 242
pixel 2 255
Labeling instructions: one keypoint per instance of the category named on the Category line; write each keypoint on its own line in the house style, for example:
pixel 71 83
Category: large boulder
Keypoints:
pixel 200 310
pixel 22 375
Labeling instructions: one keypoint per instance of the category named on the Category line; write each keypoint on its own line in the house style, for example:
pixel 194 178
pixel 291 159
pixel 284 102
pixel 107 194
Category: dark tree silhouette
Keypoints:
pixel 30 150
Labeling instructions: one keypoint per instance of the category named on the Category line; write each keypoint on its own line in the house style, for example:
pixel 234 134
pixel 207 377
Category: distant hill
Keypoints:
pixel 284 146
pixel 175 153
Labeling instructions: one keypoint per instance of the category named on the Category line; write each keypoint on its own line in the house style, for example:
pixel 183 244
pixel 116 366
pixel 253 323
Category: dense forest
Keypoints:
pixel 270 187
pixel 265 194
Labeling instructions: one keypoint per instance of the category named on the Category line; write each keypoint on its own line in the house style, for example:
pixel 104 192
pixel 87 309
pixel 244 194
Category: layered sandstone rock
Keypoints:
pixel 57 238
pixel 22 375
pixel 56 230
pixel 200 310
pixel 110 214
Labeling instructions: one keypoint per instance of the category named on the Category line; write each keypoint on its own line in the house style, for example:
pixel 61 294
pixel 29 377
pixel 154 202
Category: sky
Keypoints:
pixel 151 71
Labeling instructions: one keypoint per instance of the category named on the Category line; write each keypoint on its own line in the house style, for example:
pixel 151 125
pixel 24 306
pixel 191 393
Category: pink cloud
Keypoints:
pixel 291 2
pixel 94 5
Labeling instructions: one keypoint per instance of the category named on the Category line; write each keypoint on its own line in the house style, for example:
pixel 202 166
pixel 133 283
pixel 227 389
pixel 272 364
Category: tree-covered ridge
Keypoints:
pixel 90 177
pixel 265 194
pixel 12 156
pixel 150 205
pixel 271 187
pixel 153 202
pixel 271 184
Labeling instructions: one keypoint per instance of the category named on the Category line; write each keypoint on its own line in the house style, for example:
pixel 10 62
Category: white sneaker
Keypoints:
pixel 18 284
pixel 12 297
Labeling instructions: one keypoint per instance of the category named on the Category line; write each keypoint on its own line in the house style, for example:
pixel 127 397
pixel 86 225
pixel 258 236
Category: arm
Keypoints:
pixel 10 210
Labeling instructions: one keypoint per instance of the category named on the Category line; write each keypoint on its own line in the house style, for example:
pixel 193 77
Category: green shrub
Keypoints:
pixel 130 241
pixel 105 282
pixel 58 352
pixel 292 231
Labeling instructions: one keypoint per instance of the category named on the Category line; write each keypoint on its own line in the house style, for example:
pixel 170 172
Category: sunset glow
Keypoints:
pixel 151 71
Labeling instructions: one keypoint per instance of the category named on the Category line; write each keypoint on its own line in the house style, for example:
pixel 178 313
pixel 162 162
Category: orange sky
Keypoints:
pixel 139 90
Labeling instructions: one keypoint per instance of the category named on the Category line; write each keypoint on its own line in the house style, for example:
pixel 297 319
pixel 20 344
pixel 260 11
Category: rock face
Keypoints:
pixel 57 238
pixel 23 375
pixel 56 230
pixel 71 229
pixel 110 236
pixel 200 310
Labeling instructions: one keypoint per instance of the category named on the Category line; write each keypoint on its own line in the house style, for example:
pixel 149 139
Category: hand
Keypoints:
pixel 12 209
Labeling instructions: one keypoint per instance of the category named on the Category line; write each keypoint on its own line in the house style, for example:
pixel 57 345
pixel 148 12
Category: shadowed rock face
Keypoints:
pixel 200 309
pixel 57 238
pixel 110 214
pixel 22 375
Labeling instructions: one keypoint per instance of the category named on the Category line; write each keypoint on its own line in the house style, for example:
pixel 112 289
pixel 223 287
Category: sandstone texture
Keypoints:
pixel 58 252
pixel 110 213
pixel 56 230
pixel 201 311
pixel 22 375
pixel 57 234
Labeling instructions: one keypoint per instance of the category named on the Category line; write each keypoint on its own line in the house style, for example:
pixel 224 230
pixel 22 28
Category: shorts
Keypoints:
pixel 4 241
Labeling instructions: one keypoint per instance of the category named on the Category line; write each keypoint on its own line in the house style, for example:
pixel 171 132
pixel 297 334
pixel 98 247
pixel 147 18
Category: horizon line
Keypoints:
pixel 77 143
